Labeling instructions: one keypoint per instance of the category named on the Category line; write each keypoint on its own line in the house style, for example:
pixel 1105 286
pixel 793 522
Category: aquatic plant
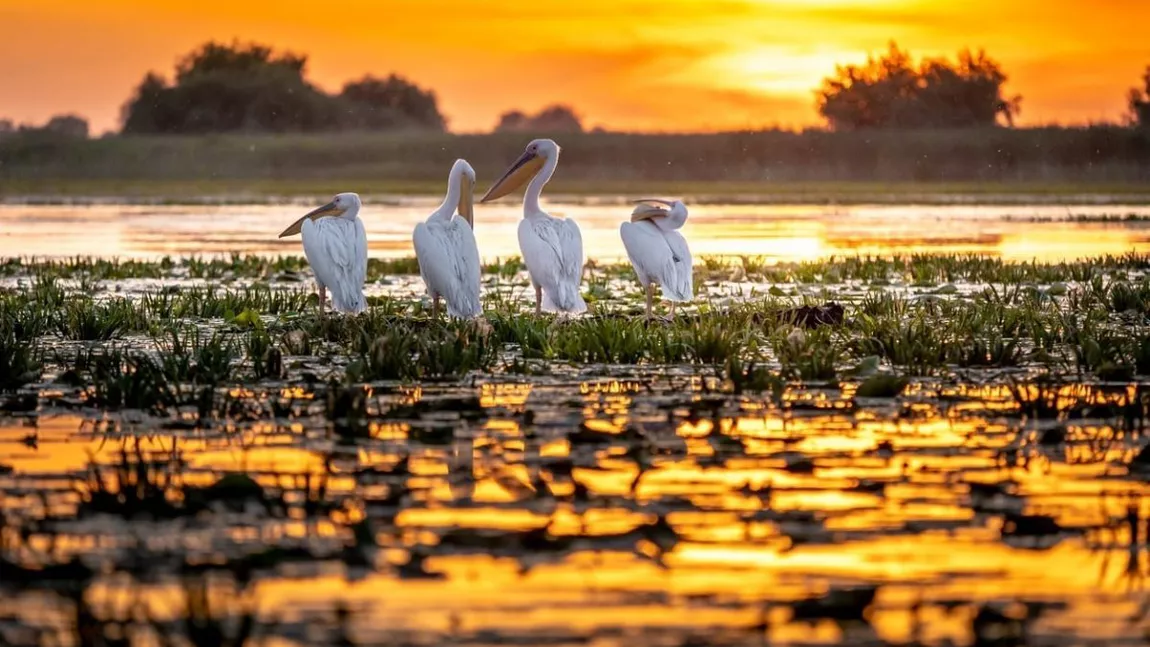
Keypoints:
pixel 87 319
pixel 19 360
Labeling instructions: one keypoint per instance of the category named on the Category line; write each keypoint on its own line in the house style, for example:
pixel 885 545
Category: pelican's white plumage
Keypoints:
pixel 335 244
pixel 658 252
pixel 552 247
pixel 446 249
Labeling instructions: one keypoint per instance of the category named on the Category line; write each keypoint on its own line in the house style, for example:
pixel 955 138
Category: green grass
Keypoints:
pixel 254 191
pixel 922 270
pixel 166 351
pixel 929 165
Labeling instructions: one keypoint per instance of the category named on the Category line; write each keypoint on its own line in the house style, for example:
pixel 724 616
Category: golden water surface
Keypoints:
pixel 675 514
pixel 779 232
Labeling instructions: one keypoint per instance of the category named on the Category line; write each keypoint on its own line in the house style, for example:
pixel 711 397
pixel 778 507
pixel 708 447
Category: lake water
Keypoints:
pixel 780 232
pixel 570 503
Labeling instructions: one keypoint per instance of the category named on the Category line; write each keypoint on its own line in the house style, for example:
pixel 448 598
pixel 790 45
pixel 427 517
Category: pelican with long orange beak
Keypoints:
pixel 335 244
pixel 446 249
pixel 657 250
pixel 552 247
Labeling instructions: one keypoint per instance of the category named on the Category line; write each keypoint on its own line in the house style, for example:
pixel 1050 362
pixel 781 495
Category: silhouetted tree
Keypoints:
pixel 374 103
pixel 150 110
pixel 227 88
pixel 1140 102
pixel 552 119
pixel 58 127
pixel 221 88
pixel 511 121
pixel 67 126
pixel 892 92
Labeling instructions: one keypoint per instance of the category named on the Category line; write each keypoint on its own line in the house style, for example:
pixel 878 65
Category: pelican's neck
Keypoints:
pixel 677 216
pixel 535 189
pixel 675 219
pixel 454 186
pixel 351 212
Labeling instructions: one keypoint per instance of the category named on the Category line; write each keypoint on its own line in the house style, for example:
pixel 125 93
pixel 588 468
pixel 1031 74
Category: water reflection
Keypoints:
pixel 779 232
pixel 606 511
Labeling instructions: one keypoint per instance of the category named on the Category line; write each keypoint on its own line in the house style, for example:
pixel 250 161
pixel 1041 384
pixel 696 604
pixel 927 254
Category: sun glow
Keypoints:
pixel 750 63
pixel 778 69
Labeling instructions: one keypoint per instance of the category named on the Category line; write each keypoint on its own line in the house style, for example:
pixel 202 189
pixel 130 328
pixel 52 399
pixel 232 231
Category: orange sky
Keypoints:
pixel 626 64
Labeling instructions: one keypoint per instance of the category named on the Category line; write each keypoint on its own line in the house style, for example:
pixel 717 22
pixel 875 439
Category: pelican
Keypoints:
pixel 446 250
pixel 658 252
pixel 335 244
pixel 552 247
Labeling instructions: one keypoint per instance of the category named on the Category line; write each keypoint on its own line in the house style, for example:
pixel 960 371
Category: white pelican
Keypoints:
pixel 552 247
pixel 336 249
pixel 446 250
pixel 658 252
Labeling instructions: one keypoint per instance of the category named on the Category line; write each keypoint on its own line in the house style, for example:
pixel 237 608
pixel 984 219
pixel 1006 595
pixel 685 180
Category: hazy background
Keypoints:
pixel 791 100
pixel 651 65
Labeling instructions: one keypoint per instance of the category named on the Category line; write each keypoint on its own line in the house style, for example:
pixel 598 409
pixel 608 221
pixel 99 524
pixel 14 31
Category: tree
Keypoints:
pixel 512 121
pixel 152 108
pixel 375 103
pixel 67 126
pixel 556 118
pixel 222 88
pixel 892 92
pixel 1140 102
pixel 228 88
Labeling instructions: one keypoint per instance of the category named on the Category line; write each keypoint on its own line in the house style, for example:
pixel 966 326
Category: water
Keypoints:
pixel 603 505
pixel 878 500
pixel 779 232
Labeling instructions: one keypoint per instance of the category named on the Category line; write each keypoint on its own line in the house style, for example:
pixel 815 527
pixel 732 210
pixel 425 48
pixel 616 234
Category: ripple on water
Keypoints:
pixel 514 528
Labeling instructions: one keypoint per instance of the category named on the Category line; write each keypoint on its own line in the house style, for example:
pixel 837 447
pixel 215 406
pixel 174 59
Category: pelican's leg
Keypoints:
pixel 322 298
pixel 650 298
pixel 538 300
pixel 672 310
pixel 435 307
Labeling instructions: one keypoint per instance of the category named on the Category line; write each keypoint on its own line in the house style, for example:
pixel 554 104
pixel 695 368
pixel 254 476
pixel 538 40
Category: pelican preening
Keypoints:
pixel 446 250
pixel 335 244
pixel 552 247
pixel 658 252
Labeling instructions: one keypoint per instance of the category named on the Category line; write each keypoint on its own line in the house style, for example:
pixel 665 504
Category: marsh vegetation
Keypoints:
pixel 190 455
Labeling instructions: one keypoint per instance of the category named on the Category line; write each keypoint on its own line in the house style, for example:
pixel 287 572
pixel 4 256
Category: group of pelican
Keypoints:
pixel 335 244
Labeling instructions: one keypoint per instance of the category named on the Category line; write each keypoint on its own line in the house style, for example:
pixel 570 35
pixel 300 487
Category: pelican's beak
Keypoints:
pixel 648 211
pixel 520 172
pixel 467 200
pixel 328 209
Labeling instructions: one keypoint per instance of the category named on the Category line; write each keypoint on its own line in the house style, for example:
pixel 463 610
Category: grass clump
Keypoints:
pixel 84 319
pixel 19 360
pixel 603 340
pixel 807 355
pixel 435 351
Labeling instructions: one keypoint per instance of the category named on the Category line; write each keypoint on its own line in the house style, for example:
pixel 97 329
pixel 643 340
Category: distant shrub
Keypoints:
pixel 552 119
pixel 251 88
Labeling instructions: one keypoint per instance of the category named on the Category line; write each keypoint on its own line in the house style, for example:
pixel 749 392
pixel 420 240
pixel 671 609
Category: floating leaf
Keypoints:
pixel 866 367
pixel 882 386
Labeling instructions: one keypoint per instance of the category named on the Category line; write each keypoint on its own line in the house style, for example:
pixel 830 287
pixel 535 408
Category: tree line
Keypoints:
pixel 222 88
pixel 892 91
pixel 251 88
pixel 64 126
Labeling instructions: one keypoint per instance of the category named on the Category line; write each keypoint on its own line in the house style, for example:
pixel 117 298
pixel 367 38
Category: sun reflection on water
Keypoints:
pixel 610 510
